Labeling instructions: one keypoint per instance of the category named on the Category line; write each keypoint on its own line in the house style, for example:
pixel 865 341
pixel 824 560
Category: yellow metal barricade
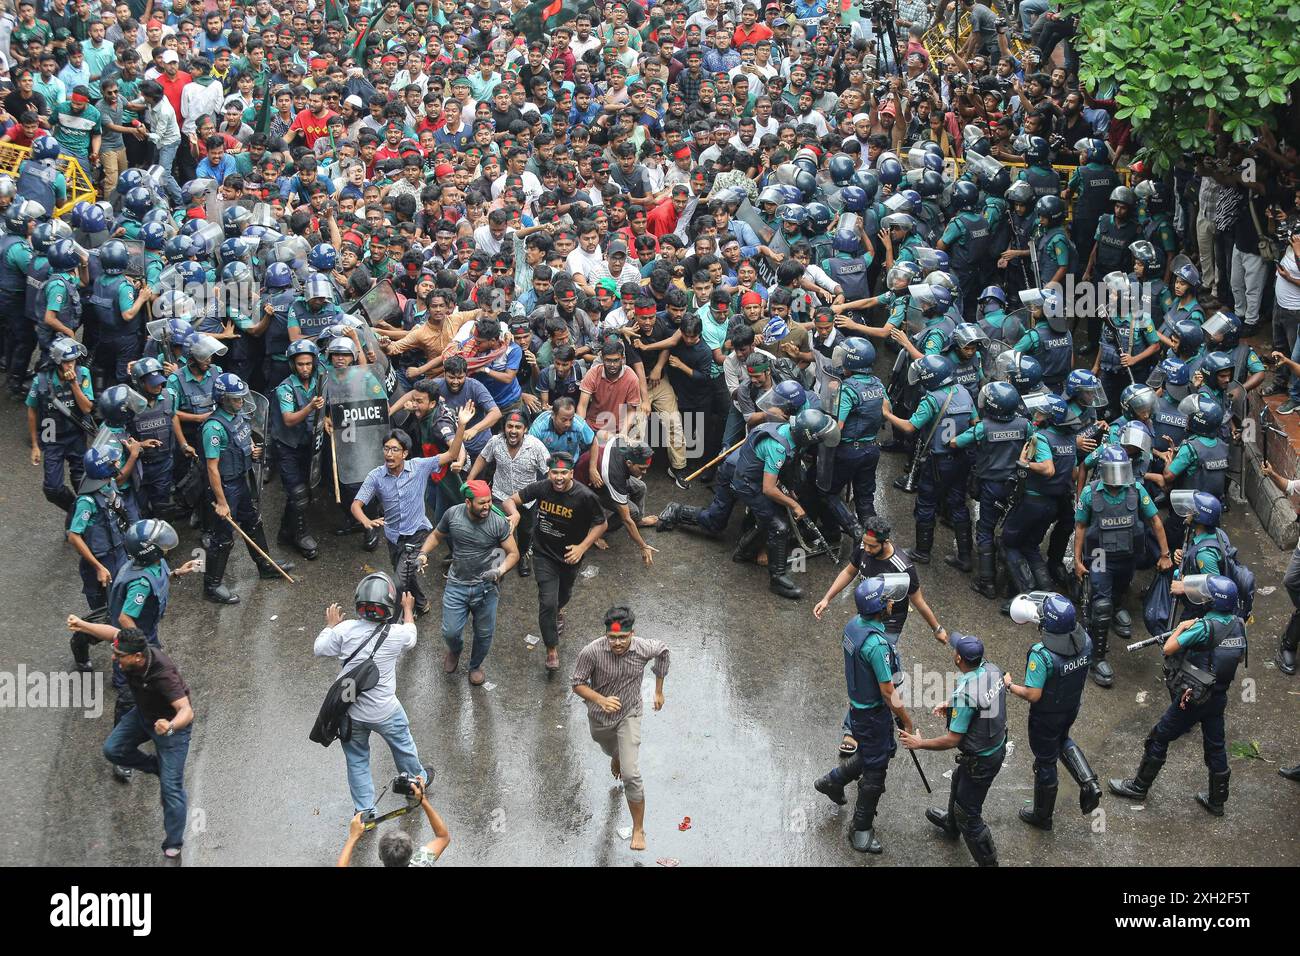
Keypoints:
pixel 79 185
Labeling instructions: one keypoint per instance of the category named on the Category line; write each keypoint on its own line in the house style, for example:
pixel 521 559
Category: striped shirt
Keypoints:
pixel 402 496
pixel 618 675
pixel 514 474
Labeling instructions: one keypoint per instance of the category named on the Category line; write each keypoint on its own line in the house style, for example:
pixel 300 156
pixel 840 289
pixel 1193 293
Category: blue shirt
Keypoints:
pixel 574 441
pixel 503 393
pixel 219 172
pixel 402 496
pixel 474 391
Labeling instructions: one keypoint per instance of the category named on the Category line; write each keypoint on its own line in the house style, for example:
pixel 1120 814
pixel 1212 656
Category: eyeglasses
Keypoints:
pixel 501 272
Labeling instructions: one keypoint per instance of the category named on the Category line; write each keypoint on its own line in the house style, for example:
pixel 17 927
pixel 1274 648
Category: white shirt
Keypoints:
pixel 378 704
pixel 579 47
pixel 161 120
pixel 761 130
pixel 198 100
pixel 533 188
pixel 1286 293
pixel 589 265
pixel 483 240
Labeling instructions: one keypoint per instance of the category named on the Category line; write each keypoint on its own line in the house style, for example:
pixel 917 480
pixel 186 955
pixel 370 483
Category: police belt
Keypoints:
pixel 967 760
pixel 858 442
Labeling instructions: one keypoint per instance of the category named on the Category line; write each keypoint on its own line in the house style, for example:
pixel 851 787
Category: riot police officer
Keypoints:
pixel 314 311
pixel 1020 235
pixel 999 441
pixel 1202 655
pixel 295 416
pixel 1049 340
pixel 942 415
pixel 850 266
pixel 153 236
pixel 1056 672
pixel 1109 519
pixel 57 306
pixel 115 301
pixel 15 260
pixel 191 387
pixel 97 532
pixel 1057 257
pixel 231 456
pixel 1157 226
pixel 39 178
pixel 1156 298
pixel 967 240
pixel 977 726
pixel 965 349
pixel 1038 173
pixel 1206 547
pixel 158 431
pixel 1091 188
pixel 752 475
pixel 1201 461
pixel 58 403
pixel 870 663
pixel 280 297
pixel 856 457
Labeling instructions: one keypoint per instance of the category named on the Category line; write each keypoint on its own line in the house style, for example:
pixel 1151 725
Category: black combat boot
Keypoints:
pixel 1022 579
pixel 285 534
pixel 686 517
pixel 961 560
pixel 1077 765
pixel 1040 815
pixel 81 642
pixel 747 548
pixel 1290 642
pixel 1136 788
pixel 982 849
pixel 778 582
pixel 1103 675
pixel 945 820
pixel 871 786
pixel 1291 773
pixel 1217 796
pixel 986 570
pixel 828 786
pixel 920 552
pixel 1042 579
pixel 214 571
pixel 300 537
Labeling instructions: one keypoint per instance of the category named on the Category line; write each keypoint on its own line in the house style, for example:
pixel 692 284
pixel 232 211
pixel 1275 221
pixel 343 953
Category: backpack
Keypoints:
pixel 1241 575
pixel 333 721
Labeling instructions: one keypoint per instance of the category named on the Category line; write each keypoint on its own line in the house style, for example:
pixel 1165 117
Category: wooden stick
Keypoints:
pixel 703 468
pixel 334 466
pixel 253 544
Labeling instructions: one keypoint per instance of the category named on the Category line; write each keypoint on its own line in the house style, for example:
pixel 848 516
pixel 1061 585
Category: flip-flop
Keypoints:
pixel 848 747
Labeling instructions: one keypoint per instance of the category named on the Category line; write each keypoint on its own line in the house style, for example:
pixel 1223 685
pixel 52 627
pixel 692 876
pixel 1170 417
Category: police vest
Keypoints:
pixel 970 252
pixel 277 330
pixel 1057 354
pixel 988 728
pixel 36 182
pixel 863 685
pixel 69 313
pixel 748 478
pixel 1222 652
pixel 1114 342
pixel 1151 233
pixel 1047 266
pixel 1063 689
pixel 1113 239
pixel 928 219
pixel 1044 182
pixel 1115 524
pixel 105 309
pixel 1007 330
pixel 864 419
pixel 155 603
pixel 998 451
pixel 1167 423
pixel 196 397
pixel 1240 358
pixel 956 417
pixel 1153 299
pixel 851 275
pixel 295 436
pixel 37 273
pixel 1094 194
pixel 155 423
pixel 943 324
pixel 1191 549
pixel 12 281
pixel 55 403
pixel 966 372
pixel 106 532
pixel 312 324
pixel 1212 467
pixel 237 456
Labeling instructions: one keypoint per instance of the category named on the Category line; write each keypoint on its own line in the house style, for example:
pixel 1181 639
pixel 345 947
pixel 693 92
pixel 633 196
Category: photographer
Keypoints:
pixel 396 848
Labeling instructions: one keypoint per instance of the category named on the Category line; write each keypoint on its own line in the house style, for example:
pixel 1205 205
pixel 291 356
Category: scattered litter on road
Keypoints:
pixel 1142 697
pixel 625 833
pixel 489 686
pixel 668 861
pixel 1265 591
pixel 685 824
pixel 532 640
pixel 590 571
pixel 275 617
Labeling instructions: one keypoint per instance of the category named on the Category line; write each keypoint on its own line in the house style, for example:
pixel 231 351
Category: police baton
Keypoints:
pixel 916 761
pixel 253 544
pixel 703 468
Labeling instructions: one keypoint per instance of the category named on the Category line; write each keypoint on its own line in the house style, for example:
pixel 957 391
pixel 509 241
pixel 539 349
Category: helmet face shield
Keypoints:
pixel 207 348
pixel 1116 474
pixel 1183 502
pixel 1134 436
pixel 1196 588
pixel 896 586
pixel 1028 608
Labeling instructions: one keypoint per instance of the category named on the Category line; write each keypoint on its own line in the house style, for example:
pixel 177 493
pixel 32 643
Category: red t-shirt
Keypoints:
pixel 312 128
pixel 610 402
pixel 172 89
pixel 757 33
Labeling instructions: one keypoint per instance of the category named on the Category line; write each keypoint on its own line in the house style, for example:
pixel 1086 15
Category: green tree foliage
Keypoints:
pixel 1185 70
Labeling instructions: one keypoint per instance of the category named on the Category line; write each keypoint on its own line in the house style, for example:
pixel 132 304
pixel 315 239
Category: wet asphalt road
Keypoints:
pixel 754 701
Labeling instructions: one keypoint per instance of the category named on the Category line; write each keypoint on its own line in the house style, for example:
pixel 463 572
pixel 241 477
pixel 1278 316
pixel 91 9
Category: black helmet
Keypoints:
pixel 812 425
pixel 148 540
pixel 376 598
pixel 1053 207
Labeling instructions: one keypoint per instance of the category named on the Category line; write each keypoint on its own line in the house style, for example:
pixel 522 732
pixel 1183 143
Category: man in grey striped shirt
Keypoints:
pixel 608 677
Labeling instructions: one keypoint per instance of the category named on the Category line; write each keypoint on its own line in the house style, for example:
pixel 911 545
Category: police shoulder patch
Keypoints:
pixel 215 440
pixel 139 599
pixel 1033 665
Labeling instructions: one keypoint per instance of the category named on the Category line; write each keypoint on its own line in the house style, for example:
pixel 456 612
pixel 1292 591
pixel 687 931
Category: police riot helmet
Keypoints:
pixel 791 395
pixel 967 334
pixel 178 248
pixel 1049 406
pixel 819 216
pixel 318 287
pixel 118 404
pixel 64 349
pixel 1214 363
pixel 1052 208
pixel 342 345
pixel 811 426
pixel 1145 253
pixel 1137 398
pixel 1037 152
pixel 1021 192
pixel 992 292
pixel 847 240
pixel 237 272
pixel 148 540
pixel 1190 337
pixel 114 257
pixel 235 220
pixel 229 385
pixel 1204 414
pixel 931 371
pixel 873 595
pixel 301 347
pixel 45 147
pixel 842 167
pixel 998 401
pixel 154 235
pixel 858 354
pixel 99 465
pixel 1052 612
pixel 146 367
pixel 63 255
pixel 323 257
pixel 1085 389
pixel 1114 467
pixel 1124 195
pixel 1201 506
pixel 138 201
pixel 965 196
pixel 853 198
pixel 376 598
pixel 1217 590
pixel 278 276
pixel 1190 274
pixel 890 171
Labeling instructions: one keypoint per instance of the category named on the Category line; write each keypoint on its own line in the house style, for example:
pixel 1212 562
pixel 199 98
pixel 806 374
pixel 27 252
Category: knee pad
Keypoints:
pixel 960 815
pixel 298 498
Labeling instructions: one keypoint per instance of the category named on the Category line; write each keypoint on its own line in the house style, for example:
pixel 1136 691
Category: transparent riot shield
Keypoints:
pixel 747 214
pixel 378 305
pixel 1013 327
pixel 258 410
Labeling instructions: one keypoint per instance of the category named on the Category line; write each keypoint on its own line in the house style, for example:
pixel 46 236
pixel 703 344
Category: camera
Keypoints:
pixel 876 10
pixel 404 783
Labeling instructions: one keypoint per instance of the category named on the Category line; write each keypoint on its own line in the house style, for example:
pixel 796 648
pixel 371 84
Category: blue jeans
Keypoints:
pixel 1030 10
pixel 396 731
pixel 166 159
pixel 458 602
pixel 168 764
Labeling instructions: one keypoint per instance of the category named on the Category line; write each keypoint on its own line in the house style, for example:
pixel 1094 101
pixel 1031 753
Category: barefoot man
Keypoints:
pixel 608 677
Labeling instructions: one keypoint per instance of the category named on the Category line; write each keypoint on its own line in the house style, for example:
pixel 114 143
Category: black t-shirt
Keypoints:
pixel 693 391
pixel 563 518
pixel 662 330
pixel 896 563
pixel 504 119
pixel 156 687
pixel 16 106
